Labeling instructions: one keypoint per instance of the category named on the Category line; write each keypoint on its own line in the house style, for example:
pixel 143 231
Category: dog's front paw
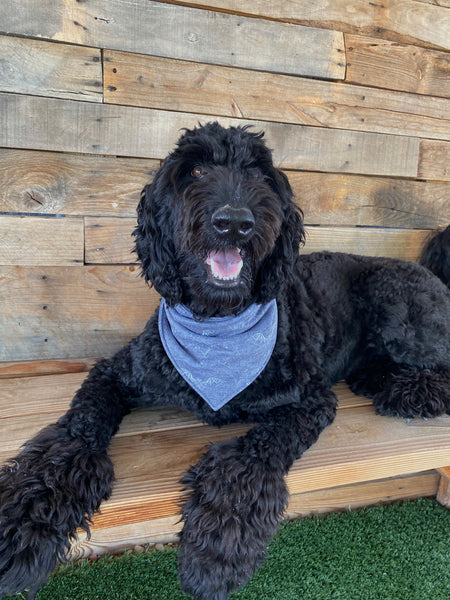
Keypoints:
pixel 51 488
pixel 411 393
pixel 29 545
pixel 233 506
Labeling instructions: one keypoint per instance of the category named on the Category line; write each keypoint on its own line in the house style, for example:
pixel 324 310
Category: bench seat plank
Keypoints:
pixel 155 446
pixel 29 403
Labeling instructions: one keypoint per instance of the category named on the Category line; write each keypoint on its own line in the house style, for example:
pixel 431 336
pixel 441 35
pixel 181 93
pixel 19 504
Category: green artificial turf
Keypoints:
pixel 395 552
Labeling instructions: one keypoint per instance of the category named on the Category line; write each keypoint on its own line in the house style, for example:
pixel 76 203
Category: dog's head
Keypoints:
pixel 218 228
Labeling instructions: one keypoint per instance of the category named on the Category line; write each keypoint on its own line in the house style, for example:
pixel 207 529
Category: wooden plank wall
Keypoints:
pixel 93 93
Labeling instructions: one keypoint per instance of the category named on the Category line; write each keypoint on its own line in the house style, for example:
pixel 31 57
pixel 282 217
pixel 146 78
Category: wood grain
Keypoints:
pixel 41 241
pixel 25 398
pixel 154 82
pixel 359 446
pixel 108 537
pixel 70 184
pixel 445 3
pixel 28 403
pixel 148 487
pixel 62 312
pixel 352 450
pixel 181 32
pixel 57 183
pixel 154 446
pixel 443 493
pixel 354 496
pixel 337 199
pixel 45 367
pixel 434 161
pixel 340 151
pixel 395 243
pixel 71 126
pixel 109 241
pixel 385 64
pixel 45 69
pixel 410 21
pixel 119 538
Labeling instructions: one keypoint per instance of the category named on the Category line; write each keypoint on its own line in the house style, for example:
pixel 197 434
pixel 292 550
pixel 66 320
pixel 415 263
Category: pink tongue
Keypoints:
pixel 226 263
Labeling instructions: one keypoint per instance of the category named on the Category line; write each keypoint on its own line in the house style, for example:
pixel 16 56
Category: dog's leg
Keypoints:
pixel 58 481
pixel 236 495
pixel 403 390
pixel 370 378
pixel 410 392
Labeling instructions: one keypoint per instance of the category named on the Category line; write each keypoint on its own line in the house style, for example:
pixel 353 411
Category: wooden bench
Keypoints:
pixel 356 108
pixel 361 459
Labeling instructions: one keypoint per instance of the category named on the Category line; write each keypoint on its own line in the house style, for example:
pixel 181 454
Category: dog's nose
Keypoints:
pixel 228 220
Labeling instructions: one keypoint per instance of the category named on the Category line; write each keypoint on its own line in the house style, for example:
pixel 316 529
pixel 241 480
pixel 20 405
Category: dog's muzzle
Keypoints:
pixel 231 225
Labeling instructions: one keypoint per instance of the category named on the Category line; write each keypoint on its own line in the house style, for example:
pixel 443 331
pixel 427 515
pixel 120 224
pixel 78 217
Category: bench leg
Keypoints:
pixel 443 495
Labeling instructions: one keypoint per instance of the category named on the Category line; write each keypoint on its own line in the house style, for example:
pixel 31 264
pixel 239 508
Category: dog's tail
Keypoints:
pixel 436 255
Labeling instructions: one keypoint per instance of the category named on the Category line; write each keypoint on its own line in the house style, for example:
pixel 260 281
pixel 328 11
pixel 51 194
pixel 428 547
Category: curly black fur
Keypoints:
pixel 436 255
pixel 382 324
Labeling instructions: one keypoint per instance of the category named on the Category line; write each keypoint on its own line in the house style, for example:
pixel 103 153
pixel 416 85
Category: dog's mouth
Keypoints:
pixel 224 267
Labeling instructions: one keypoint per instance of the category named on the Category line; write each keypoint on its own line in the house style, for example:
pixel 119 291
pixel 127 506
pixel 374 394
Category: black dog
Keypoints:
pixel 218 235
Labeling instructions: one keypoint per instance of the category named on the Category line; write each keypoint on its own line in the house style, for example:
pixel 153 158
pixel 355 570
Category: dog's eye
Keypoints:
pixel 254 173
pixel 198 171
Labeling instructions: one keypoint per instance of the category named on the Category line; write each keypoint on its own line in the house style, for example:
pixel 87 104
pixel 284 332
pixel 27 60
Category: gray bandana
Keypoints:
pixel 221 356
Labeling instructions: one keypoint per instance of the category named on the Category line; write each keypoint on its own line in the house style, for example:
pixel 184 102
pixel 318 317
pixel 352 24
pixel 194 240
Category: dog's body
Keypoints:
pixel 218 232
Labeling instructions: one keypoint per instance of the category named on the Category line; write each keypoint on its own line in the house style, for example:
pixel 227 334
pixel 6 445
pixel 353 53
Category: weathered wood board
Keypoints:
pixel 41 241
pixel 109 241
pixel 45 367
pixel 70 184
pixel 314 148
pixel 405 244
pixel 181 32
pixel 70 126
pixel 337 199
pixel 412 21
pixel 61 183
pixel 45 69
pixel 63 312
pixel 360 446
pixel 356 495
pixel 153 82
pixel 434 161
pixel 385 64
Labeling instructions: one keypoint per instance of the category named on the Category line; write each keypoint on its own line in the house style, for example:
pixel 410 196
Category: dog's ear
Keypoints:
pixel 277 269
pixel 154 239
